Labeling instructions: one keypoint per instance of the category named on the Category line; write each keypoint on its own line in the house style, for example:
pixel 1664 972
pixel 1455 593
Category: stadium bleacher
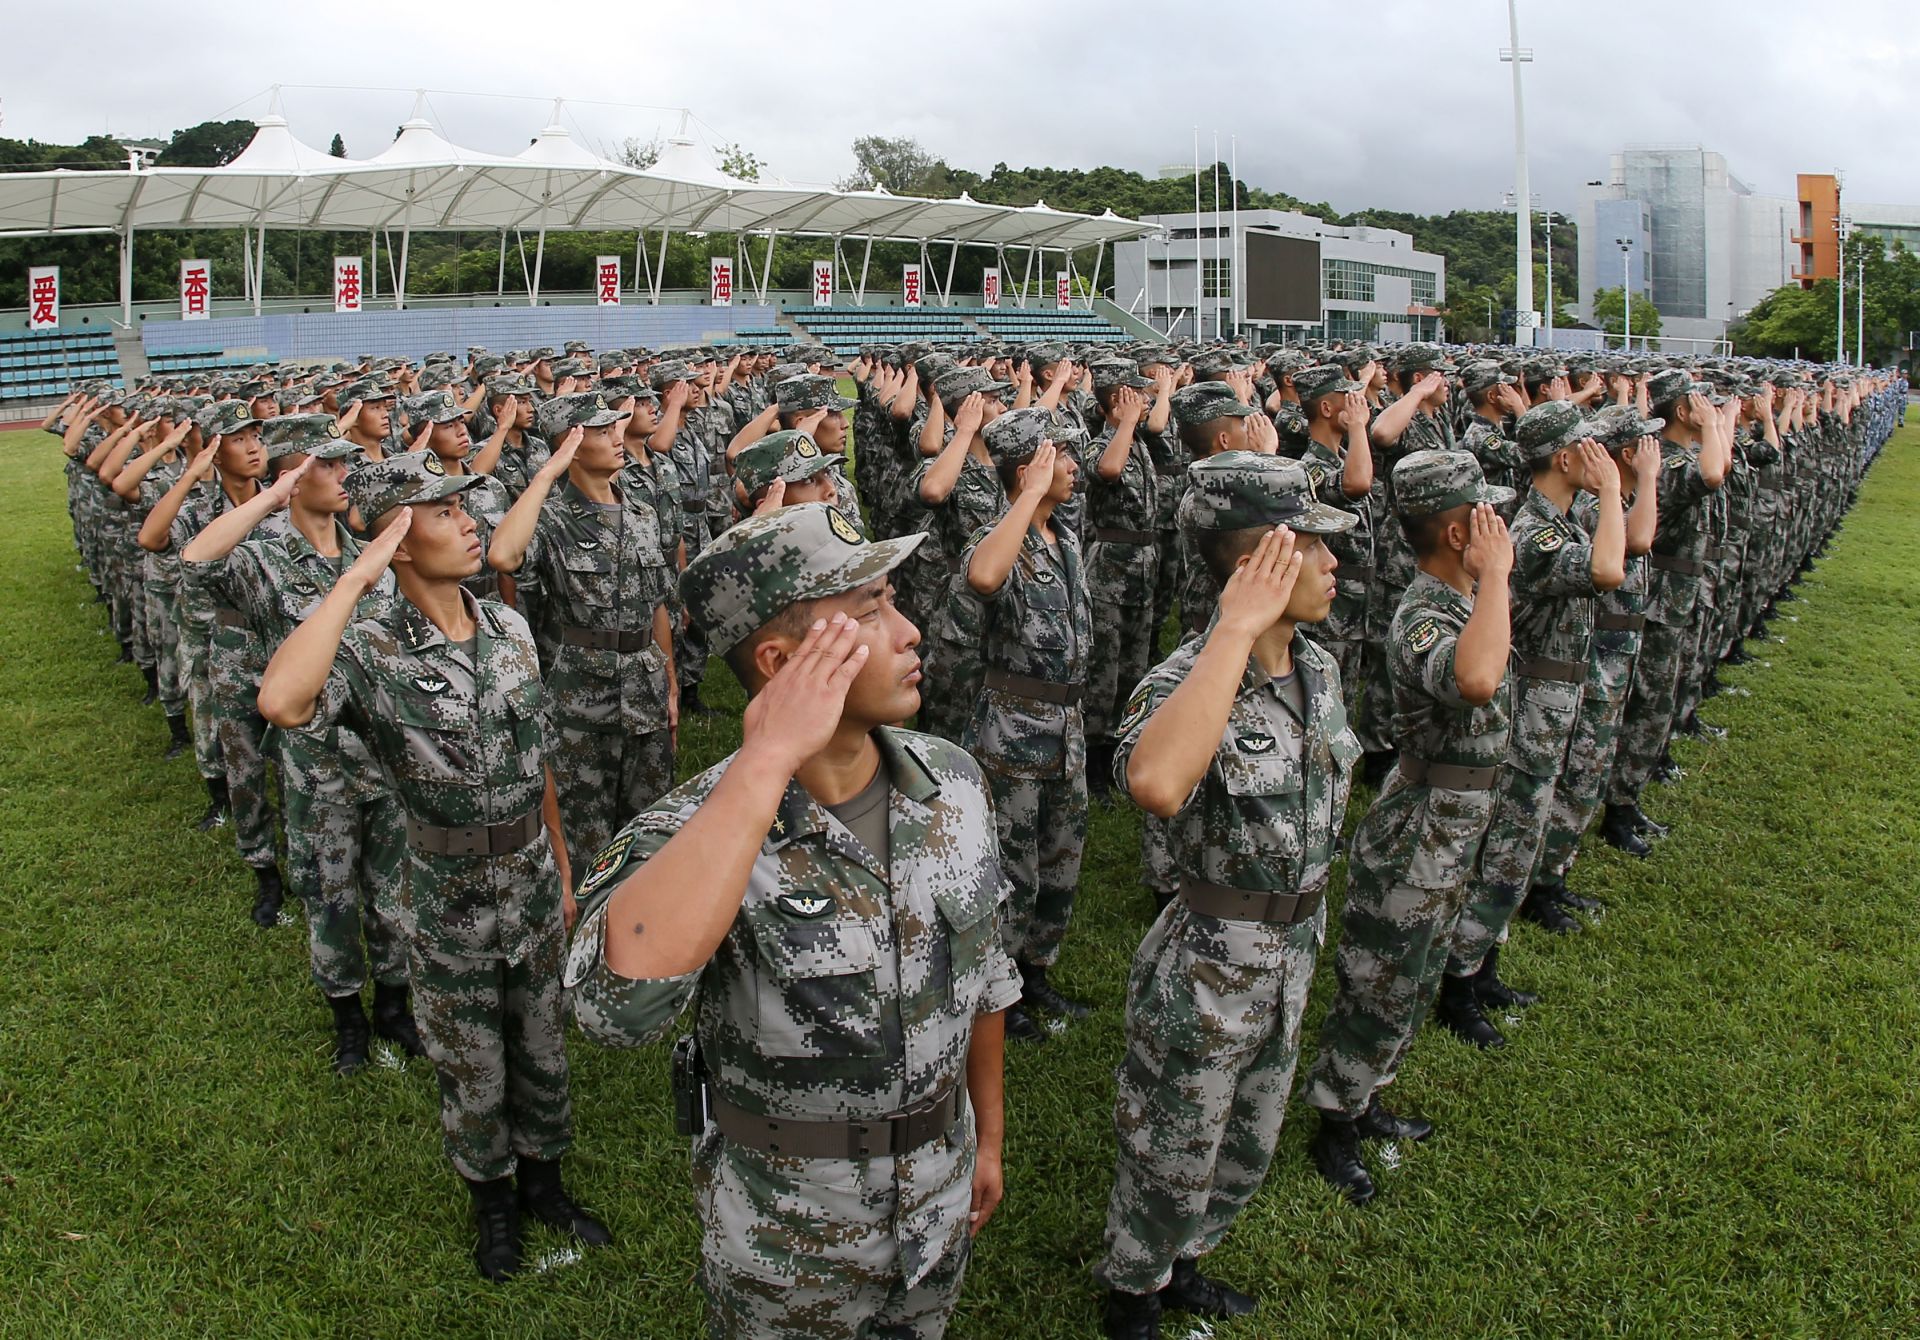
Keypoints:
pixel 845 329
pixel 1022 326
pixel 48 364
pixel 197 360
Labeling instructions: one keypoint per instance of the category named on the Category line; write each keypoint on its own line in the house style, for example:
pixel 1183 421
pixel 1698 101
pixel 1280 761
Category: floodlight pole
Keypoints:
pixel 1626 291
pixel 1840 223
pixel 126 278
pixel 1860 311
pixel 1517 55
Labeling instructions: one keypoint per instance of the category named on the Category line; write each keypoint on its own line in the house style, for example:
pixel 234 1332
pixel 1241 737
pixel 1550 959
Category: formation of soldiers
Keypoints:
pixel 460 610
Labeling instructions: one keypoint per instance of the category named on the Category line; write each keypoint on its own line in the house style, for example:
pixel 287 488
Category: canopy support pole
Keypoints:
pixel 639 257
pixel 946 294
pixel 539 260
pixel 1099 259
pixel 860 294
pixel 1000 264
pixel 260 271
pixel 1020 298
pixel 400 286
pixel 373 265
pixel 126 278
pixel 924 268
pixel 526 275
pixel 766 267
pixel 839 270
pixel 500 280
pixel 660 268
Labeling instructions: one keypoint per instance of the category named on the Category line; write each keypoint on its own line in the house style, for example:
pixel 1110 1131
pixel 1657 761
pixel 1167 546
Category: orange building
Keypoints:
pixel 1815 236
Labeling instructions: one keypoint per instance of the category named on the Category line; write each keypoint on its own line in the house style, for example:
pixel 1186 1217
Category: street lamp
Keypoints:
pixel 1626 290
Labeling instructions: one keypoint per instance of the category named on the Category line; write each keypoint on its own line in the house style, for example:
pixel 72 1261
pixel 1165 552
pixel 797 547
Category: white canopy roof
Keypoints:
pixel 423 181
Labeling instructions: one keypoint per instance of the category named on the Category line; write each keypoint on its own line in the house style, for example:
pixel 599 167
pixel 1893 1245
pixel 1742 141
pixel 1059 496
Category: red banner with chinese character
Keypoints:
pixel 910 285
pixel 347 276
pixel 43 297
pixel 196 290
pixel 990 287
pixel 606 281
pixel 823 283
pixel 1062 290
pixel 720 281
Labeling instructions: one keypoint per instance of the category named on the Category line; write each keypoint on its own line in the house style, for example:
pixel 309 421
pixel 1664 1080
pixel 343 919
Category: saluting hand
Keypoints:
pixel 795 715
pixel 202 465
pixel 556 464
pixel 1489 555
pixel 1256 596
pixel 774 499
pixel 1262 436
pixel 1597 468
pixel 281 490
pixel 378 554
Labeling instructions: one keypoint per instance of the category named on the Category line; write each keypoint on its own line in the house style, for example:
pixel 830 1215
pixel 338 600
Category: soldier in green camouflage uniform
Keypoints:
pixel 791 459
pixel 1413 853
pixel 445 691
pixel 1484 432
pixel 682 438
pixel 487 501
pixel 345 842
pixel 367 417
pixel 520 452
pixel 1558 569
pixel 828 899
pixel 1025 728
pixel 1338 460
pixel 143 482
pixel 590 555
pixel 1240 739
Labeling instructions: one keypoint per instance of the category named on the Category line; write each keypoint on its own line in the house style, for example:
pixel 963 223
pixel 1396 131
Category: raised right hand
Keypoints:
pixel 1256 596
pixel 1489 555
pixel 795 715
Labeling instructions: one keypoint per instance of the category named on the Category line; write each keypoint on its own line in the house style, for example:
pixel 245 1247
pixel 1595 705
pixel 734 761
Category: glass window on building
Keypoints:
pixel 1216 278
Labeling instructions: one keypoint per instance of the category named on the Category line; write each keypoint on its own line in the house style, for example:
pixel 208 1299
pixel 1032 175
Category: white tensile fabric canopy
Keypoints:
pixel 423 182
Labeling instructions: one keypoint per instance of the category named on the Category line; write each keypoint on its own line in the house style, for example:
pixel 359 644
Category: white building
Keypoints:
pixel 1280 275
pixel 1702 243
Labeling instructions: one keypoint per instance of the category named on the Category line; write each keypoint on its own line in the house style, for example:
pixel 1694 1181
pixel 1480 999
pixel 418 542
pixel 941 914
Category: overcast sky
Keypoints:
pixel 1400 104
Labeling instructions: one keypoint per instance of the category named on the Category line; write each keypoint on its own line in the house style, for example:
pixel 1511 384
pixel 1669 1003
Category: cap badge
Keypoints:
pixel 843 528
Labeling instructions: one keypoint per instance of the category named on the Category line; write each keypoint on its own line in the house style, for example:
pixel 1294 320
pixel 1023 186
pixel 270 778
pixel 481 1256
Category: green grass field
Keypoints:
pixel 1710 1127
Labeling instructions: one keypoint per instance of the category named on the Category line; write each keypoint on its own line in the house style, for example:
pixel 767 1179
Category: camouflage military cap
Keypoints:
pixel 800 395
pixel 507 383
pixel 577 347
pixel 255 389
pixel 287 400
pixel 365 390
pixel 1323 379
pixel 583 409
pixel 436 377
pixel 789 454
pixel 435 407
pixel 402 479
pixel 1244 490
pixel 1617 426
pixel 1671 384
pixel 1212 363
pixel 1484 374
pixel 932 366
pixel 1111 372
pixel 439 356
pixel 1579 362
pixel 516 356
pixel 957 384
pixel 1421 358
pixel 1045 353
pixel 486 365
pixel 627 388
pixel 1426 483
pixel 1203 402
pixel 1542 368
pixel 316 435
pixel 573 367
pixel 779 372
pixel 545 353
pixel 1017 434
pixel 1157 356
pixel 226 416
pixel 1551 426
pixel 669 371
pixel 753 571
pixel 1287 362
pixel 612 359
pixel 188 407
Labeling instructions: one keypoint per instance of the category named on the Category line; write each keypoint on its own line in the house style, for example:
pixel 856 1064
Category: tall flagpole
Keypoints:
pixel 1216 232
pixel 1233 251
pixel 1517 56
pixel 1197 332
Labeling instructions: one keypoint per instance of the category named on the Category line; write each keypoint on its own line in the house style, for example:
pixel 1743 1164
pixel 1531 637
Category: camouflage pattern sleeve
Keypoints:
pixel 1155 689
pixel 1422 652
pixel 1552 561
pixel 1681 483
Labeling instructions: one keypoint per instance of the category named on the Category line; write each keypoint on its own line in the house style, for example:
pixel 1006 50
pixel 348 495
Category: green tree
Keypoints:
pixel 339 146
pixel 1608 311
pixel 737 162
pixel 209 144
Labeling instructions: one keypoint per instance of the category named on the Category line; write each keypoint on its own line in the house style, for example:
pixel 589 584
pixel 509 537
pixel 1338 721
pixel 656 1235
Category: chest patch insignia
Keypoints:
pixel 1549 541
pixel 1424 634
pixel 606 865
pixel 843 528
pixel 806 906
pixel 1256 744
pixel 430 683
pixel 589 544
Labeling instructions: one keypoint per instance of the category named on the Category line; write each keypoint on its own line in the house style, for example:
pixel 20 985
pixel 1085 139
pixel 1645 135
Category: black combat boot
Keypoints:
pixel 126 655
pixel 1646 827
pixel 497 1214
pixel 1190 1291
pixel 179 738
pixel 267 897
pixel 690 702
pixel 1130 1316
pixel 1335 1152
pixel 1040 994
pixel 1666 769
pixel 1458 1010
pixel 1579 902
pixel 1617 831
pixel 1161 897
pixel 1376 1123
pixel 350 1036
pixel 1542 908
pixel 1021 1026
pixel 393 1020
pixel 1711 687
pixel 543 1197
pixel 1492 991
pixel 152 675
pixel 1739 655
pixel 1100 770
pixel 218 806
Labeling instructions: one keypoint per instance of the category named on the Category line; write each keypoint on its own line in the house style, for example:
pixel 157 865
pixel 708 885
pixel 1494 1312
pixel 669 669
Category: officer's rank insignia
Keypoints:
pixel 1256 744
pixel 1549 541
pixel 1316 477
pixel 1424 634
pixel 605 865
pixel 843 527
pixel 430 683
pixel 432 465
pixel 806 906
pixel 806 448
pixel 1676 461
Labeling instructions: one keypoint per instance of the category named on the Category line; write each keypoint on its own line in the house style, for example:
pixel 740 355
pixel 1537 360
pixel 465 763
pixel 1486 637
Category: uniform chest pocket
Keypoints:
pixel 442 745
pixel 524 706
pixel 1046 612
pixel 590 571
pixel 1256 763
pixel 815 994
pixel 967 913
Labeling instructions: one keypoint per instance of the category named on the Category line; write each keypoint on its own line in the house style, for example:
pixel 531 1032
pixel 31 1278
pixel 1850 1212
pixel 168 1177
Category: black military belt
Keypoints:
pixel 1287 908
pixel 1354 572
pixel 606 639
pixel 1620 623
pixel 1109 535
pixel 231 618
pixel 804 1138
pixel 1714 553
pixel 1446 776
pixel 478 840
pixel 1686 567
pixel 1567 672
pixel 1042 690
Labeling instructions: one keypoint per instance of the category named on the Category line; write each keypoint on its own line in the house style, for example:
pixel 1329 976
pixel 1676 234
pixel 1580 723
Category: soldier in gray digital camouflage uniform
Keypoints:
pixel 828 899
pixel 1240 739
pixel 445 691
pixel 345 842
pixel 1413 853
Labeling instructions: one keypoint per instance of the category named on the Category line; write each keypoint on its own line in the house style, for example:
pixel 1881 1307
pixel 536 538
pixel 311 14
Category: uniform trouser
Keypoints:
pixel 1197 1127
pixel 1122 653
pixel 1166 581
pixel 139 635
pixel 604 778
pixel 163 631
pixel 496 1033
pixel 1376 698
pixel 1504 871
pixel 799 1249
pixel 1650 710
pixel 206 734
pixel 951 683
pixel 1576 795
pixel 243 754
pixel 1042 823
pixel 345 862
pixel 1698 660
pixel 121 589
pixel 1394 941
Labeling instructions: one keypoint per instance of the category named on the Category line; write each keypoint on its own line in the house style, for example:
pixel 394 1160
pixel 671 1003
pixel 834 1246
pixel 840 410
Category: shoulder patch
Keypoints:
pixel 1676 461
pixel 806 906
pixel 605 866
pixel 1423 634
pixel 1137 709
pixel 1548 541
